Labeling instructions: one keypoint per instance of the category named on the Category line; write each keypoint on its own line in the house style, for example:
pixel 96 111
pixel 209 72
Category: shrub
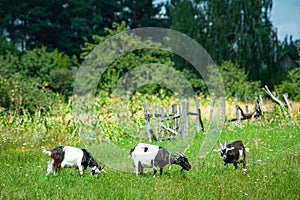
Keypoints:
pixel 235 80
pixel 31 79
pixel 291 85
pixel 23 94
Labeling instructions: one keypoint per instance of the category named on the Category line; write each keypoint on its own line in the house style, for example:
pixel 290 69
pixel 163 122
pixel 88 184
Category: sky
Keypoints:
pixel 285 18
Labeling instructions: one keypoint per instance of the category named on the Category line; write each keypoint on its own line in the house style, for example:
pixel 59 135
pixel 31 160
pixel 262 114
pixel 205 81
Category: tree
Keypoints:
pixel 67 25
pixel 64 25
pixel 183 18
pixel 240 31
pixel 132 64
pixel 142 13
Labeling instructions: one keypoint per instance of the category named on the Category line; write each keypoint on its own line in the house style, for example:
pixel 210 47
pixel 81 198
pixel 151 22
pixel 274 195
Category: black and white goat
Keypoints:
pixel 68 156
pixel 233 153
pixel 152 156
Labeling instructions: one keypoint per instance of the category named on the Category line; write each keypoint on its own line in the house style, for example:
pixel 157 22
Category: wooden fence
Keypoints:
pixel 163 123
pixel 168 124
pixel 240 113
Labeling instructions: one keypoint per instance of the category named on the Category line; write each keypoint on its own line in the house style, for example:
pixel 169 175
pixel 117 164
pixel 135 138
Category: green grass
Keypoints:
pixel 272 170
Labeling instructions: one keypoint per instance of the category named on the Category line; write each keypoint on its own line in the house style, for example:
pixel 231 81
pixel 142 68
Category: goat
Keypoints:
pixel 152 156
pixel 68 156
pixel 233 153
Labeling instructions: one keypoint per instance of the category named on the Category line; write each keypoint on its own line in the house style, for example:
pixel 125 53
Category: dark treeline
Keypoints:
pixel 67 25
pixel 237 31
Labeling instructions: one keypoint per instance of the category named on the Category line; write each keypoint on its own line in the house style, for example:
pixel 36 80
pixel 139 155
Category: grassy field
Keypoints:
pixel 272 168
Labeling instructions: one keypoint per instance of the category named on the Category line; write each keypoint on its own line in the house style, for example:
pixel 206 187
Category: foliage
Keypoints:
pixel 130 69
pixel 29 79
pixel 184 23
pixel 239 31
pixel 193 76
pixel 235 80
pixel 60 81
pixel 245 35
pixel 143 13
pixel 38 63
pixel 4 96
pixel 67 25
pixel 291 85
pixel 8 64
pixel 6 46
pixel 25 95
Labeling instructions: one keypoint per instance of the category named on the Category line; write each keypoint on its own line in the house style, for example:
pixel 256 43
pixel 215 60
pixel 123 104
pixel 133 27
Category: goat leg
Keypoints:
pixel 160 171
pixel 235 165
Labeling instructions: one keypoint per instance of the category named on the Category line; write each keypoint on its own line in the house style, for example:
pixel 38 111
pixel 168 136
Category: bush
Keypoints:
pixel 291 85
pixel 235 80
pixel 26 95
pixel 61 81
pixel 6 46
pixel 35 79
pixel 50 69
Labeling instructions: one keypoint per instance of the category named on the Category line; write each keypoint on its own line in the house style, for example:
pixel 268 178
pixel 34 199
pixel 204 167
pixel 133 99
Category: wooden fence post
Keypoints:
pixel 211 111
pixel 168 122
pixel 198 117
pixel 224 109
pixel 183 119
pixel 187 109
pixel 261 105
pixel 246 105
pixel 155 125
pixel 161 123
pixel 174 112
pixel 238 112
pixel 147 122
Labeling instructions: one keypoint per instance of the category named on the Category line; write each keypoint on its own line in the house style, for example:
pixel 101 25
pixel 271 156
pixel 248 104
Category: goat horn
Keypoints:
pixel 187 148
pixel 181 154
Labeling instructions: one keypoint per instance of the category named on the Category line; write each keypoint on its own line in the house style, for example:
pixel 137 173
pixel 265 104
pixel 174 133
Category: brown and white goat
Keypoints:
pixel 233 153
pixel 68 156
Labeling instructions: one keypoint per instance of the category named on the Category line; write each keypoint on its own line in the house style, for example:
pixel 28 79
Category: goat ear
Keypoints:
pixel 216 150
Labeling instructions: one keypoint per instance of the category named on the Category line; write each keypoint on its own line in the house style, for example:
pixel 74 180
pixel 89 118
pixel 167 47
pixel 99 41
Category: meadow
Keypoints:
pixel 272 164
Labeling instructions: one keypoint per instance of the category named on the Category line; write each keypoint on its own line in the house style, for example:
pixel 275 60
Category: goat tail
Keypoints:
pixel 46 152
